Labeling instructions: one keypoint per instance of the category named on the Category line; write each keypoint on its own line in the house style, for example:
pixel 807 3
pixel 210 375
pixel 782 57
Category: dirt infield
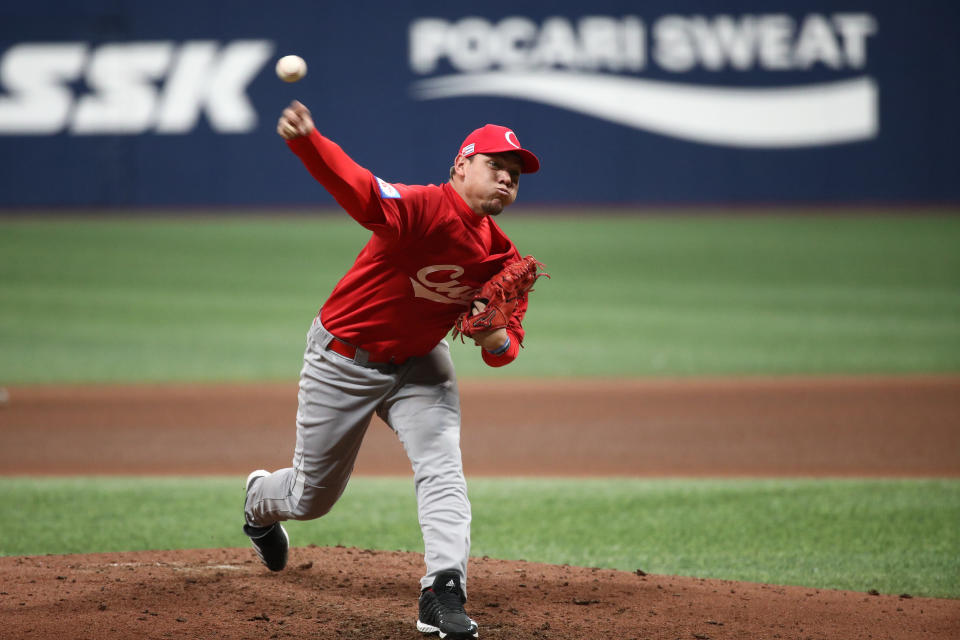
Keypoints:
pixel 751 427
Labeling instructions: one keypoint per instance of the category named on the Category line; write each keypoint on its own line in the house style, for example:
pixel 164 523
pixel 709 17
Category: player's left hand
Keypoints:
pixel 489 340
pixel 493 306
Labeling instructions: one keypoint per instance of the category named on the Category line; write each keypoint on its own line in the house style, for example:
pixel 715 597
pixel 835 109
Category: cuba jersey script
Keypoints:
pixel 428 254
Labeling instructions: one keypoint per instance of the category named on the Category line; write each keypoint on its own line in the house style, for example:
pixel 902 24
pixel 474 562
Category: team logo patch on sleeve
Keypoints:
pixel 387 190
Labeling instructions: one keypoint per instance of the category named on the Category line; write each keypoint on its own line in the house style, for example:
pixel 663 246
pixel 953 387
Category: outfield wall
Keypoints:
pixel 106 103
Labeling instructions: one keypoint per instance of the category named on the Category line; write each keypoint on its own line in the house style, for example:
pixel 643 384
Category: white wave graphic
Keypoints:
pixel 800 116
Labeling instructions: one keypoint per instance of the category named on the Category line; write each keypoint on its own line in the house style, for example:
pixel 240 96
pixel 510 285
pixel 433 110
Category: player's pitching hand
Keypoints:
pixel 295 121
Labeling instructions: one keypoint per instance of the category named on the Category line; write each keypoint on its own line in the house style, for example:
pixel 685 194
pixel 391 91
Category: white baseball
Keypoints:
pixel 291 68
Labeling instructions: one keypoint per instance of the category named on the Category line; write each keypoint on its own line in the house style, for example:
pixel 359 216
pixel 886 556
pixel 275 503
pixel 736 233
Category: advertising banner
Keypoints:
pixel 175 104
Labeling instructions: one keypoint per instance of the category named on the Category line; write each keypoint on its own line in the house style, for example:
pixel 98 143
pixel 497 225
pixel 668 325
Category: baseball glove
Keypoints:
pixel 499 296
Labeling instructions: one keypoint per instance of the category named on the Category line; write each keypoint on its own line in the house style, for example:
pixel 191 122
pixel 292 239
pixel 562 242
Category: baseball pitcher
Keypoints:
pixel 435 261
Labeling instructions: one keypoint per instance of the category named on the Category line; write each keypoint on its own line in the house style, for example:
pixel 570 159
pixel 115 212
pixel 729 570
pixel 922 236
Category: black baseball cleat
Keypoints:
pixel 441 609
pixel 271 542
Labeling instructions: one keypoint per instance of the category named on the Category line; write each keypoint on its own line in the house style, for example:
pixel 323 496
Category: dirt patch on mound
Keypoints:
pixel 351 593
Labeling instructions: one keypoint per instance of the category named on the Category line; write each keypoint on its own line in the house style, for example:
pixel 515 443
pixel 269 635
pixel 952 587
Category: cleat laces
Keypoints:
pixel 450 600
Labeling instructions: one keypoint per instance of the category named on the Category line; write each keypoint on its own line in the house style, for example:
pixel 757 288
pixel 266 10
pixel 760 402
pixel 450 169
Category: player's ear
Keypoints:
pixel 458 166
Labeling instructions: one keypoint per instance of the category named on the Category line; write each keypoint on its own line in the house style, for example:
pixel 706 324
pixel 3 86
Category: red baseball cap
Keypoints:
pixel 492 138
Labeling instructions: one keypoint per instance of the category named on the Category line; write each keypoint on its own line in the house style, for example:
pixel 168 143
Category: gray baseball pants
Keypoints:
pixel 419 400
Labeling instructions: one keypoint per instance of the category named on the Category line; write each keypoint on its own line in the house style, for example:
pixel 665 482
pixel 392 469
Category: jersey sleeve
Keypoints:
pixel 374 203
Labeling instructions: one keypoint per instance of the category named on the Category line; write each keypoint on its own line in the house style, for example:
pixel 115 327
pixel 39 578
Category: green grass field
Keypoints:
pixel 893 536
pixel 231 299
pixel 228 299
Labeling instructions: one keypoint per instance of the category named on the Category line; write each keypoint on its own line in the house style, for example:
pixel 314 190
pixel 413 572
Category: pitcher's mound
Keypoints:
pixel 353 593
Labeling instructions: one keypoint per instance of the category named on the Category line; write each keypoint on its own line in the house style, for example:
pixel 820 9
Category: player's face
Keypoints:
pixel 491 182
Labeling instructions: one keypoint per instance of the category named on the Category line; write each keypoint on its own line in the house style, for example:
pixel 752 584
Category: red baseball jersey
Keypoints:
pixel 429 253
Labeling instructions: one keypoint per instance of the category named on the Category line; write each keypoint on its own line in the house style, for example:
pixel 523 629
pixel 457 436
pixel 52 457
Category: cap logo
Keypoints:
pixel 467 150
pixel 514 142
